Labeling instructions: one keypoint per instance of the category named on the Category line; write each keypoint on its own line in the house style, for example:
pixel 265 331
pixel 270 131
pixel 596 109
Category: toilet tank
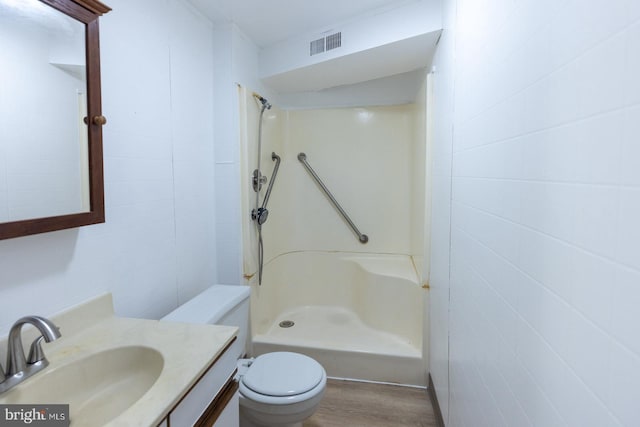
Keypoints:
pixel 219 305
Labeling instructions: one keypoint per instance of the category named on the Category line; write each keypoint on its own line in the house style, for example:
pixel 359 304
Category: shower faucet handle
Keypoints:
pixel 260 215
pixel 258 180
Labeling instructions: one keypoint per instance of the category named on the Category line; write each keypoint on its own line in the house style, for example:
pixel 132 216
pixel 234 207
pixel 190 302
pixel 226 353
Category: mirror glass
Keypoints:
pixel 44 159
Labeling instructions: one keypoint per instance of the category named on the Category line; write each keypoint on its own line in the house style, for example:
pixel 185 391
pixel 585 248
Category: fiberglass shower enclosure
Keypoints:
pixel 355 306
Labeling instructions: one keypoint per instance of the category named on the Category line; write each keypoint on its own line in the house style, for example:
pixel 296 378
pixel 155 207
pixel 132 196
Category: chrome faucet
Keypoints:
pixel 19 368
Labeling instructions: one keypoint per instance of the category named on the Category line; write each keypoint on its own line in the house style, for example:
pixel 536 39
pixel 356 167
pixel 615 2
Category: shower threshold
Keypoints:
pixel 346 347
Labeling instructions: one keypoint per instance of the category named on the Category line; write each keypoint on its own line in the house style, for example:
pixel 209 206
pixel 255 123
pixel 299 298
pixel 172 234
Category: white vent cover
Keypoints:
pixel 316 47
pixel 334 41
pixel 330 42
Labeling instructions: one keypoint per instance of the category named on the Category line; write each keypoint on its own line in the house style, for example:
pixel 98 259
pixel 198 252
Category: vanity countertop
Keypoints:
pixel 187 350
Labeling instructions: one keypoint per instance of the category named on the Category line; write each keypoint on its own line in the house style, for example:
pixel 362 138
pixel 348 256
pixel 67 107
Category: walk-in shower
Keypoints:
pixel 342 276
pixel 260 213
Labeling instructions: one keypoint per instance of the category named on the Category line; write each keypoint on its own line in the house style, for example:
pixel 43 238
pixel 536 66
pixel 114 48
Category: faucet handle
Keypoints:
pixel 36 354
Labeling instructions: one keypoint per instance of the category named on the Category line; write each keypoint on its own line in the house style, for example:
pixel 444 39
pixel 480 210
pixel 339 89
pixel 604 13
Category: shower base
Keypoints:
pixel 347 347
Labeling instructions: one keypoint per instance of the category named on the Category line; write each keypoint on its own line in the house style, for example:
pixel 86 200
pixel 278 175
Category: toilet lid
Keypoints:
pixel 283 374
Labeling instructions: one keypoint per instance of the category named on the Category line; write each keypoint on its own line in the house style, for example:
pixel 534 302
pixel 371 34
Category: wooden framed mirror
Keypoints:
pixel 51 173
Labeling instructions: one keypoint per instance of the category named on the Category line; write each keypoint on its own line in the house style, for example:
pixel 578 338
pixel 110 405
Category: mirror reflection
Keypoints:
pixel 43 101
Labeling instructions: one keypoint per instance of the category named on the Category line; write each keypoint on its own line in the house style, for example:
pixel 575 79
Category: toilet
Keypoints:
pixel 279 389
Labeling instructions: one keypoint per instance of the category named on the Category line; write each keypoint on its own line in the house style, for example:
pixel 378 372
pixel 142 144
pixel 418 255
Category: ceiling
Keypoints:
pixel 270 21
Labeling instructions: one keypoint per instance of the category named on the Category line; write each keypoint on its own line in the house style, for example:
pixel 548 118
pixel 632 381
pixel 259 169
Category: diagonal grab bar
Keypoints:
pixel 361 237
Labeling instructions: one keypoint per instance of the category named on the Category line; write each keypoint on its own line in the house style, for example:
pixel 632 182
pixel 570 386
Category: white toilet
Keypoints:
pixel 279 389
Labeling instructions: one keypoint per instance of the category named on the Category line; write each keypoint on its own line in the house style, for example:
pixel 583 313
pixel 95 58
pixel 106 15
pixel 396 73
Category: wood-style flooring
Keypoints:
pixel 355 404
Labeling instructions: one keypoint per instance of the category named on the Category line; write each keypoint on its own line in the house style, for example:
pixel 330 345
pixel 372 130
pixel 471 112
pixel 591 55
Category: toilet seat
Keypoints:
pixel 283 374
pixel 282 378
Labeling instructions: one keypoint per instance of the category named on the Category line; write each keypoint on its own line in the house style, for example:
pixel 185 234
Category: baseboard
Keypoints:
pixel 434 402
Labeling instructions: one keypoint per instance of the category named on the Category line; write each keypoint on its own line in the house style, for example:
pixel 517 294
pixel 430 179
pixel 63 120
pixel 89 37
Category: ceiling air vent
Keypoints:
pixel 334 41
pixel 316 47
pixel 330 42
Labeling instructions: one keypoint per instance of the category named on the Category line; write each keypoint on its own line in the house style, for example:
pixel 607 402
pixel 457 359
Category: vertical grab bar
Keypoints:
pixel 276 159
pixel 363 238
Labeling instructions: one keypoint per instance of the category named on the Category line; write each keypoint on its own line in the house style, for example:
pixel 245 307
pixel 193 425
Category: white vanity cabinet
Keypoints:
pixel 213 399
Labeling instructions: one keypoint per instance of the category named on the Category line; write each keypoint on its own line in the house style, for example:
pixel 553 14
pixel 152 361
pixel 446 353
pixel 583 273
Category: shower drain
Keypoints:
pixel 286 323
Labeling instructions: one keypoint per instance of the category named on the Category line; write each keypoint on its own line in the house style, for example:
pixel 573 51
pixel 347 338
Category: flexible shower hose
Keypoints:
pixel 260 245
pixel 260 254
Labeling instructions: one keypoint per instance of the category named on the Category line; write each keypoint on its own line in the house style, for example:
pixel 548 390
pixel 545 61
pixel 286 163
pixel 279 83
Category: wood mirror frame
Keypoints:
pixel 86 12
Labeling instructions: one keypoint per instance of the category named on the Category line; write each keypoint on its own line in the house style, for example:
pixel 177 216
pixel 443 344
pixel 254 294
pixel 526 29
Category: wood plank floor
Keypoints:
pixel 354 404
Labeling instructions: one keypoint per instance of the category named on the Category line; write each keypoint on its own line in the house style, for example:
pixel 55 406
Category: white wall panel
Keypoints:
pixel 155 248
pixel 545 201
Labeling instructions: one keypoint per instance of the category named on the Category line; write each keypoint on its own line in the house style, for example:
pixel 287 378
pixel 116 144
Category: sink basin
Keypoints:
pixel 97 388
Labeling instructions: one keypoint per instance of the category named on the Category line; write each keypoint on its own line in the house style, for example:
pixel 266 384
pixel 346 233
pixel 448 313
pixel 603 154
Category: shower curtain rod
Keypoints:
pixel 363 238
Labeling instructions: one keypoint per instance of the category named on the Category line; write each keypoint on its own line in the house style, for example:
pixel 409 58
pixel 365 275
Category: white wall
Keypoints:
pixel 157 247
pixel 441 153
pixel 545 268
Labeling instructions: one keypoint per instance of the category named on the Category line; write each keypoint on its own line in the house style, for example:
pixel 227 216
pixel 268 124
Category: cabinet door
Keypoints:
pixel 205 392
pixel 230 416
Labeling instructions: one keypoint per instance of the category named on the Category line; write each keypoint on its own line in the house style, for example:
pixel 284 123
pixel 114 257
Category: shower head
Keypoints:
pixel 265 104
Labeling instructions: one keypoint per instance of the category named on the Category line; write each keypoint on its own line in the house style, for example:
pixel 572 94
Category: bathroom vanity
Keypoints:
pixel 115 371
pixel 212 400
